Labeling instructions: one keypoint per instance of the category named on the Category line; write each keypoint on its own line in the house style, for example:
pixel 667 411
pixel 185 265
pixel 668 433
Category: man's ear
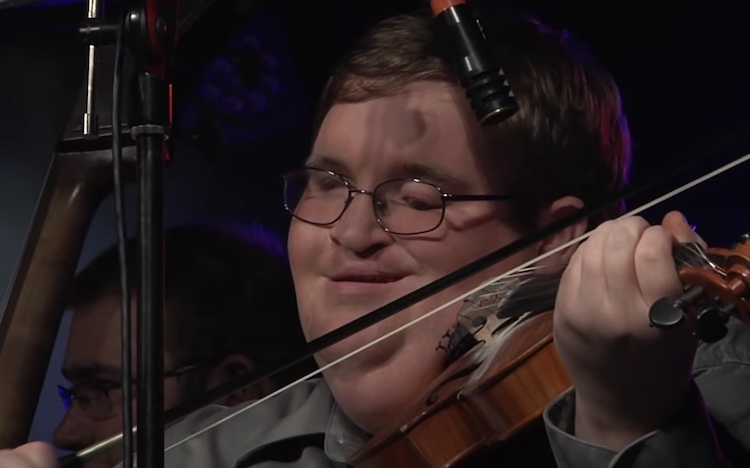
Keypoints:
pixel 559 209
pixel 228 370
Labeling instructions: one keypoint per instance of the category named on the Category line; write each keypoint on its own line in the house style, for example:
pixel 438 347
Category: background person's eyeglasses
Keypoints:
pixel 401 206
pixel 95 398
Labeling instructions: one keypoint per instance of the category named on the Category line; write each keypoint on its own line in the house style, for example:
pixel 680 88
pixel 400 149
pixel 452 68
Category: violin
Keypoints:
pixel 504 369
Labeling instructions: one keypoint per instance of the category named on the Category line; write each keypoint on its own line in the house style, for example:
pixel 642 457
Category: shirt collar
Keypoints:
pixel 343 437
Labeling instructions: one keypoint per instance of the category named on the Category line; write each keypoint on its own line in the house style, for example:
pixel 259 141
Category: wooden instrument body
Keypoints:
pixel 471 410
pixel 79 177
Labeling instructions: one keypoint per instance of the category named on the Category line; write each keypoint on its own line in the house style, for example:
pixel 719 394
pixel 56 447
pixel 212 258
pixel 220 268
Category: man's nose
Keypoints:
pixel 358 229
pixel 74 431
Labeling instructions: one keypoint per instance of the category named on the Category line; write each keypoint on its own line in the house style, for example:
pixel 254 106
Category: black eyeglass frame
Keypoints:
pixel 67 394
pixel 444 196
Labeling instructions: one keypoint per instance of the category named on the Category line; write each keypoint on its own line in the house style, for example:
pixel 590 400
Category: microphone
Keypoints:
pixel 483 81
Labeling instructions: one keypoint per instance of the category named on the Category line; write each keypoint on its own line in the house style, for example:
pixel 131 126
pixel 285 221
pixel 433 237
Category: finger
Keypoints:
pixel 619 267
pixel 587 287
pixel 39 454
pixel 593 284
pixel 568 289
pixel 14 459
pixel 568 303
pixel 676 224
pixel 654 265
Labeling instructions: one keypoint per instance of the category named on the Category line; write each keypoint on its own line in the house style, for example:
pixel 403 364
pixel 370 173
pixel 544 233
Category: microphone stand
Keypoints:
pixel 150 35
pixel 150 32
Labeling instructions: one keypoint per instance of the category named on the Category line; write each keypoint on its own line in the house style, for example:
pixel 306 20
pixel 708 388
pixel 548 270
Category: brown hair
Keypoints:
pixel 570 135
pixel 227 290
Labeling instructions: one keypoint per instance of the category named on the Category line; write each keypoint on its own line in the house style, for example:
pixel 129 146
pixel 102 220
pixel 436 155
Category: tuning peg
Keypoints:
pixel 711 323
pixel 667 313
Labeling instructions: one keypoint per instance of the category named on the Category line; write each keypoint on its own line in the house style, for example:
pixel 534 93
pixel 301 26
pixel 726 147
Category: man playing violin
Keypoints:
pixel 365 233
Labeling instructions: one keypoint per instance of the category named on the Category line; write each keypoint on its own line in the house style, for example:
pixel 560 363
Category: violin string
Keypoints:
pixel 90 451
pixel 477 309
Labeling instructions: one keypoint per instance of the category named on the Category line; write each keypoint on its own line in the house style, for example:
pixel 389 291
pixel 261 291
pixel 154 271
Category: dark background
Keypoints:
pixel 250 72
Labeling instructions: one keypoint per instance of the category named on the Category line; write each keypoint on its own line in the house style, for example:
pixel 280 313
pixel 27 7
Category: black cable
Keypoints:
pixel 127 415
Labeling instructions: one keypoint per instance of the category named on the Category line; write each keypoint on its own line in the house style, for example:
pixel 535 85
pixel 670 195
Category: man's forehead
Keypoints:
pixel 94 345
pixel 100 318
pixel 430 125
pixel 421 109
pixel 406 167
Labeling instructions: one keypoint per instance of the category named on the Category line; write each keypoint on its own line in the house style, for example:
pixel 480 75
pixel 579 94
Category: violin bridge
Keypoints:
pixel 478 319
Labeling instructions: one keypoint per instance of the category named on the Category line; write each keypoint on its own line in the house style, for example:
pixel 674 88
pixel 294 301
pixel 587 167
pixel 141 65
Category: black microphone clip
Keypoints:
pixel 484 81
pixel 152 27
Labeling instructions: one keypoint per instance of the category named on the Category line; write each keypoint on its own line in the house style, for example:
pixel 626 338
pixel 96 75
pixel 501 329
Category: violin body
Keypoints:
pixel 481 400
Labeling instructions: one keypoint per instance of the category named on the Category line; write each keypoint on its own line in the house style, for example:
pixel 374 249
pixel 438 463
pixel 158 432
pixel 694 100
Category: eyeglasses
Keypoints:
pixel 401 206
pixel 94 397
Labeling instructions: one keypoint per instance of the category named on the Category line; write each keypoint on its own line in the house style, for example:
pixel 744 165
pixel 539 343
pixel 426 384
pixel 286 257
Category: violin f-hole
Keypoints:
pixel 432 397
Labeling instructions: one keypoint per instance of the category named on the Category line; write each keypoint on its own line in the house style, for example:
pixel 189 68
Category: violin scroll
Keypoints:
pixel 717 287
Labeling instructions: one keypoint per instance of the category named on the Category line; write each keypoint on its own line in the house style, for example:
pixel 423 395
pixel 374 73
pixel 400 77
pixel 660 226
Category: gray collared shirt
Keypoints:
pixel 722 385
pixel 721 376
pixel 230 437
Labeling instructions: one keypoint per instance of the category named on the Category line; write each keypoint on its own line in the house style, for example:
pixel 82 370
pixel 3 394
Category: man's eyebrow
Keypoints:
pixel 437 176
pixel 326 160
pixel 91 372
pixel 434 175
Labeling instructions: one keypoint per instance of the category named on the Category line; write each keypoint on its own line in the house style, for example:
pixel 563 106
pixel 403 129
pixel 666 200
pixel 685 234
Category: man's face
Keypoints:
pixel 345 270
pixel 92 361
